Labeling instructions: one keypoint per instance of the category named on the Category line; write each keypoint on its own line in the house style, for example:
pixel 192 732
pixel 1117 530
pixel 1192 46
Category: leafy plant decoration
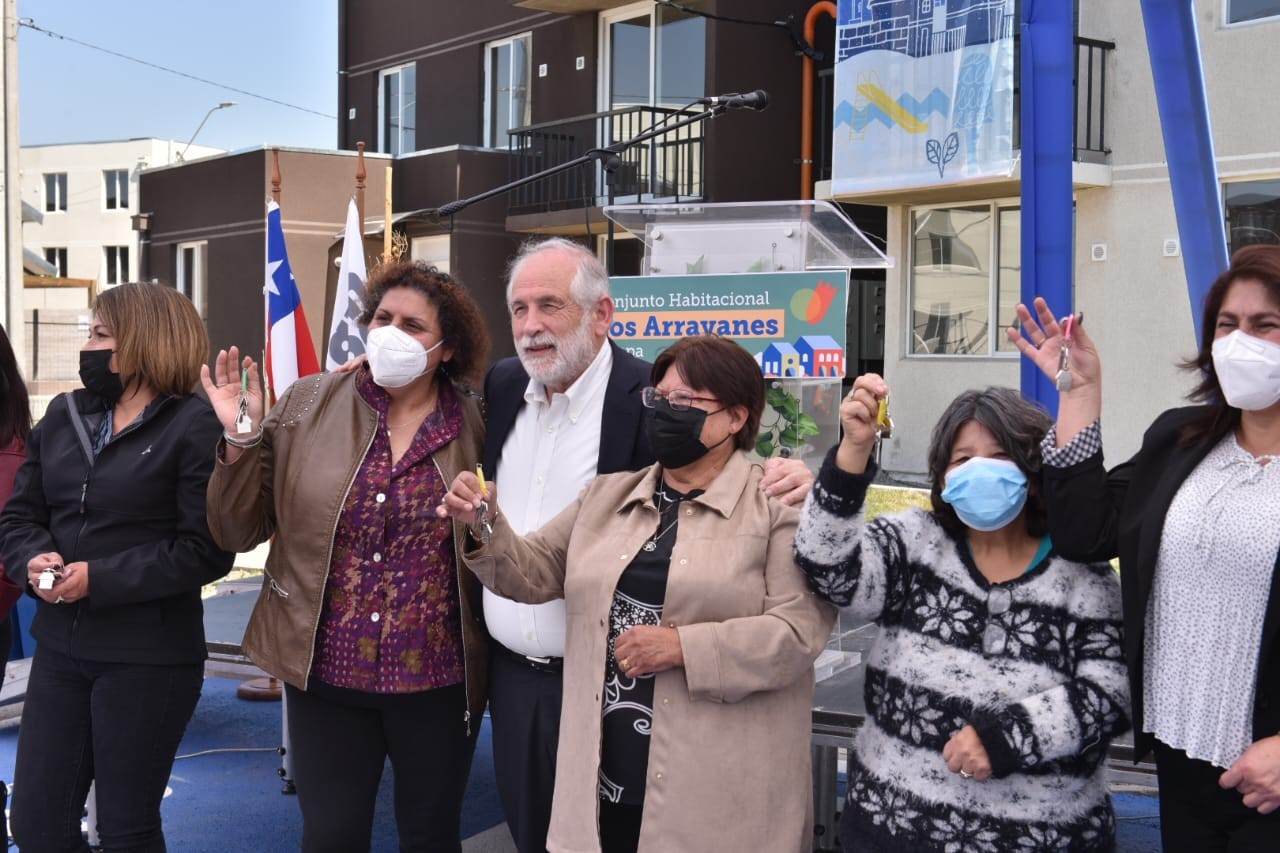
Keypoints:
pixel 942 153
pixel 789 429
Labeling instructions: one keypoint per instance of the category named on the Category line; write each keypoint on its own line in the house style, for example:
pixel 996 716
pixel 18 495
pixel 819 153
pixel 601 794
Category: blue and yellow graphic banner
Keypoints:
pixel 792 322
pixel 924 93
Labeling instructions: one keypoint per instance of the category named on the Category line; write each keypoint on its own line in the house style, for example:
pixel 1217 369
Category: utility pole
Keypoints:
pixel 11 250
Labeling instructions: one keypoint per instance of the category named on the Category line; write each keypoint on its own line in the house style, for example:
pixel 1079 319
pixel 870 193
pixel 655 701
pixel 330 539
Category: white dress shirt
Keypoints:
pixel 550 455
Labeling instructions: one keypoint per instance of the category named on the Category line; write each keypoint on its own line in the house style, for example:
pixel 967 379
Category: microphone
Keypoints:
pixel 757 100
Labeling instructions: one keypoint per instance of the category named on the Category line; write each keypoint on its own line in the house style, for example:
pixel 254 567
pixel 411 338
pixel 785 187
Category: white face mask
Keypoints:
pixel 1248 370
pixel 396 358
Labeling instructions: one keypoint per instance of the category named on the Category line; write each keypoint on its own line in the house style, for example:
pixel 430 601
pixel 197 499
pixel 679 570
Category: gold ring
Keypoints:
pixel 626 662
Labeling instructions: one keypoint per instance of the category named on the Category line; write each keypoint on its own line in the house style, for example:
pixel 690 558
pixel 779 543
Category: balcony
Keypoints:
pixel 667 168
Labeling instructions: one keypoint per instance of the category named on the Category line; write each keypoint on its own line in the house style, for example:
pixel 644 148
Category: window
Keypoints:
pixel 966 278
pixel 55 192
pixel 190 275
pixel 432 249
pixel 397 101
pixel 117 188
pixel 508 67
pixel 57 256
pixel 1239 11
pixel 1253 212
pixel 117 258
pixel 653 62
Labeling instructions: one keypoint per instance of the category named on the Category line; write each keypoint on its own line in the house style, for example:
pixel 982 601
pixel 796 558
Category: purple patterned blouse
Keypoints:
pixel 391 621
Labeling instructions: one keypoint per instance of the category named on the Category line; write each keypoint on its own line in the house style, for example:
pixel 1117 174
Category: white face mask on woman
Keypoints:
pixel 1248 370
pixel 396 358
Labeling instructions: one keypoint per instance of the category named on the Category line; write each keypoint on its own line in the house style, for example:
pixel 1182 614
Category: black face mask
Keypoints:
pixel 96 374
pixel 676 437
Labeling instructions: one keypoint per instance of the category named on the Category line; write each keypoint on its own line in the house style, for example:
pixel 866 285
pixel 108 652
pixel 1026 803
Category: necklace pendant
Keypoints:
pixel 650 545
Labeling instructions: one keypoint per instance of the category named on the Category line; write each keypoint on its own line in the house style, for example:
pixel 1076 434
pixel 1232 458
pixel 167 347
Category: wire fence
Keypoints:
pixel 53 340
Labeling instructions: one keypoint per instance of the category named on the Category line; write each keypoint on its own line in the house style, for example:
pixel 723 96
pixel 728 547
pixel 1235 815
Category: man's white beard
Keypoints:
pixel 570 357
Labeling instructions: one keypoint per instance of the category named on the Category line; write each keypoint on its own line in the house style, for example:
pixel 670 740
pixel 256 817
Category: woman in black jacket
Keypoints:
pixel 107 527
pixel 1195 520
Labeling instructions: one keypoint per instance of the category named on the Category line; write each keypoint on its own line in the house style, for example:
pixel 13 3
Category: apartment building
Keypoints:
pixel 958 270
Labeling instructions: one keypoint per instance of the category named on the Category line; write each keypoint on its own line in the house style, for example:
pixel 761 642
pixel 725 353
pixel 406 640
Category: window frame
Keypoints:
pixel 59 259
pixel 122 189
pixel 384 143
pixel 1228 22
pixel 995 208
pixel 115 268
pixel 1227 226
pixel 489 48
pixel 60 192
pixel 195 289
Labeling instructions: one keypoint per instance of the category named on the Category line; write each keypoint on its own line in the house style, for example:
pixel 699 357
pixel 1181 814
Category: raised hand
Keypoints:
pixel 858 411
pixel 1041 339
pixel 224 388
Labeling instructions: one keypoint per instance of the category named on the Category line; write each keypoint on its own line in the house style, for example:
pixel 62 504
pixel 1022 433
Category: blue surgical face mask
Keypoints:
pixel 986 493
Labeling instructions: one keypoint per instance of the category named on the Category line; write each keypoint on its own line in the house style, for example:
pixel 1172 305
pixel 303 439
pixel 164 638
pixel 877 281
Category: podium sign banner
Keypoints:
pixel 792 322
pixel 923 93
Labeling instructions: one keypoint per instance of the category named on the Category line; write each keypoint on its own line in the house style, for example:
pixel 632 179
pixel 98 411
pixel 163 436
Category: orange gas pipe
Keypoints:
pixel 806 97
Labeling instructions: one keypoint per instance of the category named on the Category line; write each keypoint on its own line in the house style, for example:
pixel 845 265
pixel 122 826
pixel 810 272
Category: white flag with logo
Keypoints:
pixel 345 340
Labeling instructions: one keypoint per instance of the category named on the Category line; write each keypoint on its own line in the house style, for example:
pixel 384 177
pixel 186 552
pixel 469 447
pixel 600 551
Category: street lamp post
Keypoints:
pixel 212 110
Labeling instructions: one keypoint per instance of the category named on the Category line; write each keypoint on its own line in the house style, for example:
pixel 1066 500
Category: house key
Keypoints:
pixel 244 424
pixel 1064 356
pixel 884 426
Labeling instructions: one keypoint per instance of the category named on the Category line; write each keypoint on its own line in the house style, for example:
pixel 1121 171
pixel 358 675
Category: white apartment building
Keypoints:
pixel 88 194
pixel 1128 268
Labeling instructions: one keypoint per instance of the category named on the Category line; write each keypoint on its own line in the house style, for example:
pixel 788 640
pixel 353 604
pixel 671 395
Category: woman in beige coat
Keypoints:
pixel 691 634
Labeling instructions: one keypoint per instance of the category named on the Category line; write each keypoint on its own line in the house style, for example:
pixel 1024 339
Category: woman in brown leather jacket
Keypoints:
pixel 364 611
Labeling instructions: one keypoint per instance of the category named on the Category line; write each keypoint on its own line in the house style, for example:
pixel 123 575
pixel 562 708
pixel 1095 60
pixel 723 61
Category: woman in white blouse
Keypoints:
pixel 1195 520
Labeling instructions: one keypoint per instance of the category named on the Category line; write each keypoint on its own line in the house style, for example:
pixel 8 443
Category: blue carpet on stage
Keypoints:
pixel 231 800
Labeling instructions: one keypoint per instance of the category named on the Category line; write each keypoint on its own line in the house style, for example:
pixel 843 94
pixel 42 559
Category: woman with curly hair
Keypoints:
pixel 364 612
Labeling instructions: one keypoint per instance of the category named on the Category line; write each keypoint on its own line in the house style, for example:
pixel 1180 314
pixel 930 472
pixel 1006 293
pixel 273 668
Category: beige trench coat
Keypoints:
pixel 729 756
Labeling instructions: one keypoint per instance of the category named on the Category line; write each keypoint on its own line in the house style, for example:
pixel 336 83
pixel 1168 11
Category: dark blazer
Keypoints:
pixel 1097 515
pixel 623 446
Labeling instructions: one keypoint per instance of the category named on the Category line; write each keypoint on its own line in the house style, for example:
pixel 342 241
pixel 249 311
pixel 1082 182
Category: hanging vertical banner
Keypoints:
pixel 923 93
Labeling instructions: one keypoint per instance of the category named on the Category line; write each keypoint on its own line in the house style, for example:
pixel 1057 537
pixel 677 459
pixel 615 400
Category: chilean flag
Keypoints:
pixel 290 353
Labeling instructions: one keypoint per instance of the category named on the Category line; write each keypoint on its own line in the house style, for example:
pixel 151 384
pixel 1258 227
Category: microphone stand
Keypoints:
pixel 608 157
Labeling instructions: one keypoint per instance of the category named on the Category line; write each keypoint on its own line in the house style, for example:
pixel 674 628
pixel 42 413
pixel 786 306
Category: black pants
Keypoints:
pixel 620 827
pixel 118 725
pixel 1198 816
pixel 342 738
pixel 524 710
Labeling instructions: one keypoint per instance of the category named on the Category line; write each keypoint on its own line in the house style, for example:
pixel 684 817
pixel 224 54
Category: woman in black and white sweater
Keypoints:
pixel 997 680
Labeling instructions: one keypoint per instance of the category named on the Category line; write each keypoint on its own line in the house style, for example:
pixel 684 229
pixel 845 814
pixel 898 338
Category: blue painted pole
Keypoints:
pixel 1047 130
pixel 1174 46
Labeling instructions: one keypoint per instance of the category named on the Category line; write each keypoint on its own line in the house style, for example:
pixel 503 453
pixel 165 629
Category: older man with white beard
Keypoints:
pixel 565 410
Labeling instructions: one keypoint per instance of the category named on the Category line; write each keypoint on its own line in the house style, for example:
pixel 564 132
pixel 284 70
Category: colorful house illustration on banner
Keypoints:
pixel 781 359
pixel 820 355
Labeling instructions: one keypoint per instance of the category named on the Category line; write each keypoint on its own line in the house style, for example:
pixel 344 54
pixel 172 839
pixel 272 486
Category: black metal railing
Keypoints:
pixel 1090 137
pixel 667 168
